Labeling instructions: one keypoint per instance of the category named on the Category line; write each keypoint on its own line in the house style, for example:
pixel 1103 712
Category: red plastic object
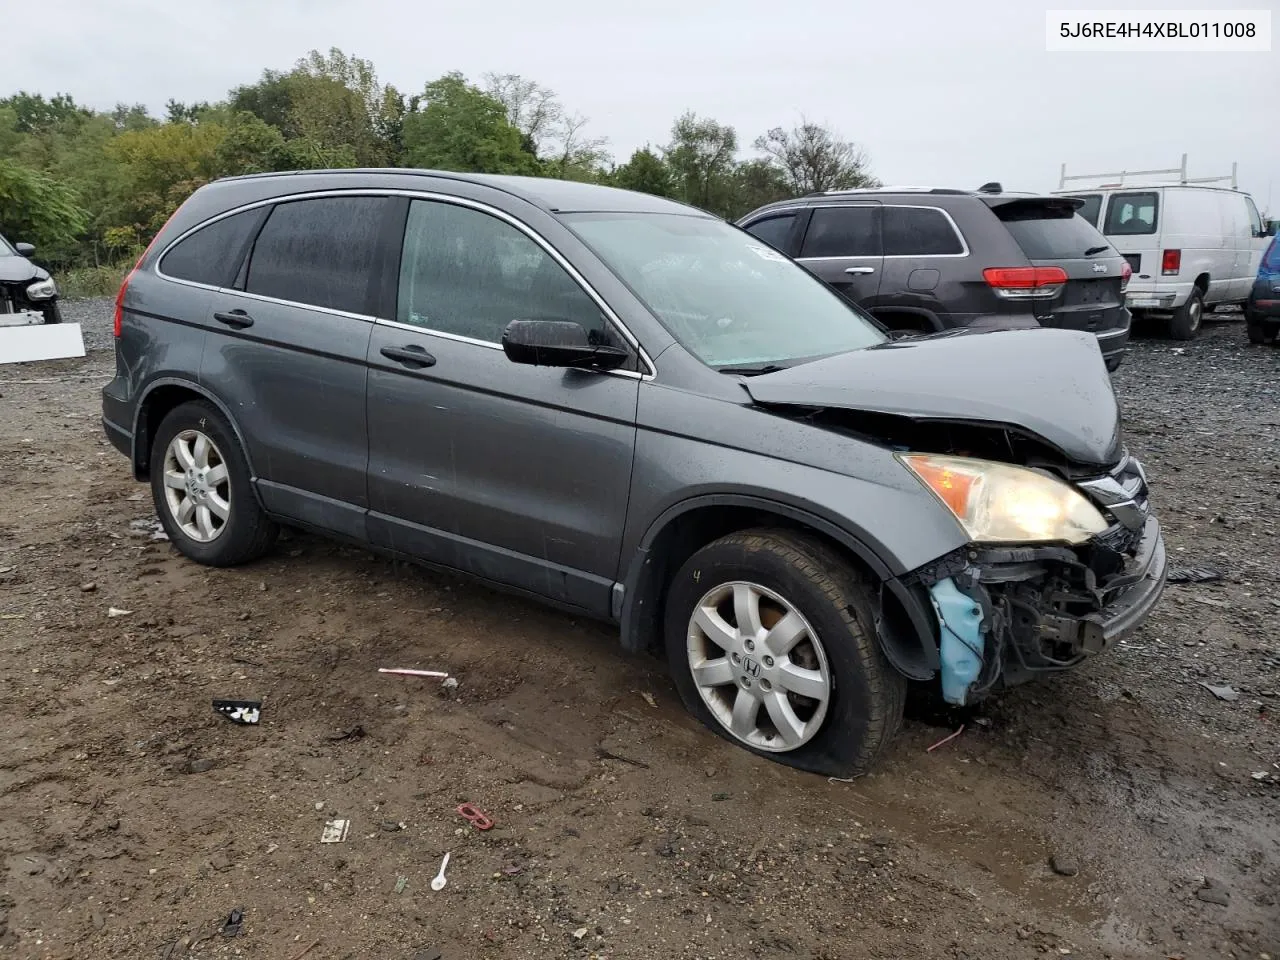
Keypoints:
pixel 476 817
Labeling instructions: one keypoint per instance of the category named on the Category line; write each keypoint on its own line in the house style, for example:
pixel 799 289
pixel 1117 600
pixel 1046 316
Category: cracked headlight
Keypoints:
pixel 1000 503
pixel 42 290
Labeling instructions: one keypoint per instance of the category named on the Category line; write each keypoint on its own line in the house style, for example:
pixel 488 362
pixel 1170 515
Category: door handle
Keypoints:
pixel 412 356
pixel 236 318
pixel 859 271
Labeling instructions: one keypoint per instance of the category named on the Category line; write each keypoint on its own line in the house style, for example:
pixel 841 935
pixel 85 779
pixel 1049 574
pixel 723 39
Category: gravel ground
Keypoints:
pixel 1121 811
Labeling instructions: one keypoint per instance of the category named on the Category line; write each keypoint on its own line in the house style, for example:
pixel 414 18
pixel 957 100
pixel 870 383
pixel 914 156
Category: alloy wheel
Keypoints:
pixel 197 486
pixel 759 666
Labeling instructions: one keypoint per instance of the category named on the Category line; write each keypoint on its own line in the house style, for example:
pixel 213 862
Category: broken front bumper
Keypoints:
pixel 1007 615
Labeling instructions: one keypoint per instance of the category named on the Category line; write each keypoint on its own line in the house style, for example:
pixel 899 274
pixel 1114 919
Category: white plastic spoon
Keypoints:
pixel 439 881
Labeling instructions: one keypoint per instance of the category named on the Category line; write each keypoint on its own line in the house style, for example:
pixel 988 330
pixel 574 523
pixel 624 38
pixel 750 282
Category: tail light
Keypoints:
pixel 1171 263
pixel 1025 283
pixel 1126 274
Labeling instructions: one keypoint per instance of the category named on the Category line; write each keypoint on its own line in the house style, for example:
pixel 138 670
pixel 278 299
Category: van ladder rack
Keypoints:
pixel 1180 172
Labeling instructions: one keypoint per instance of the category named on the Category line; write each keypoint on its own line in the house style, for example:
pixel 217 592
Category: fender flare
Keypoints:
pixel 139 468
pixel 927 315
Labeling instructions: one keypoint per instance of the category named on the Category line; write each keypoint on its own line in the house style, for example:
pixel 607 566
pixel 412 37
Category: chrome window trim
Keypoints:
pixel 537 238
pixel 955 228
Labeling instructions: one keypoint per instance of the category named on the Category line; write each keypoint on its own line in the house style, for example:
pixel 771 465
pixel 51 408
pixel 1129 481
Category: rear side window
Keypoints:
pixel 775 231
pixel 212 254
pixel 845 231
pixel 1092 207
pixel 318 252
pixel 1051 231
pixel 919 232
pixel 1132 214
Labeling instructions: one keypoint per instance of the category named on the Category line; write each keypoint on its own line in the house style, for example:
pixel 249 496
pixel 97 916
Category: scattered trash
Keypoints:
pixel 721 796
pixel 151 529
pixel 450 687
pixel 401 883
pixel 1222 693
pixel 305 950
pixel 13 616
pixel 579 933
pixel 648 698
pixel 117 612
pixel 88 587
pixel 1194 575
pixel 4 570
pixel 244 712
pixel 319 805
pixel 335 831
pixel 272 847
pixel 412 673
pixel 1215 892
pixel 511 870
pixel 1063 866
pixel 474 816
pixel 355 733
pixel 1260 775
pixel 1178 350
pixel 438 881
pixel 234 924
pixel 946 739
pixel 842 779
pixel 392 826
pixel 199 766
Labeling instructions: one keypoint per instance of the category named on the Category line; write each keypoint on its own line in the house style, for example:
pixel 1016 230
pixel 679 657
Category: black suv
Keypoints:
pixel 933 259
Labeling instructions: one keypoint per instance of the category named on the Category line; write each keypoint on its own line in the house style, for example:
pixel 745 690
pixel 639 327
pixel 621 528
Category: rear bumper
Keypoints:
pixel 117 420
pixel 120 438
pixel 1158 296
pixel 1113 343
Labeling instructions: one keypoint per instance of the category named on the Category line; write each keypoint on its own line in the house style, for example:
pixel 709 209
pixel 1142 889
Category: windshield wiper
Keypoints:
pixel 1092 250
pixel 752 371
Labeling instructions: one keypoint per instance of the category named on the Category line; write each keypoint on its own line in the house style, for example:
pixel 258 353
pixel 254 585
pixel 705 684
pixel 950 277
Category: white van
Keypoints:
pixel 1191 247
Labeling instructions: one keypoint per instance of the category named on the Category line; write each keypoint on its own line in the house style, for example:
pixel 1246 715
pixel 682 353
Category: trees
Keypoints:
pixel 645 172
pixel 814 159
pixel 460 127
pixel 36 209
pixel 701 157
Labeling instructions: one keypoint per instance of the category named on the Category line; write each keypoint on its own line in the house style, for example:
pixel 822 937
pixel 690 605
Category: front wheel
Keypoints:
pixel 771 641
pixel 202 489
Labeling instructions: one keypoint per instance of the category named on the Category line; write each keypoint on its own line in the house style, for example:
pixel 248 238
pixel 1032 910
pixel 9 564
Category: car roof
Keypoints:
pixel 554 196
pixel 992 199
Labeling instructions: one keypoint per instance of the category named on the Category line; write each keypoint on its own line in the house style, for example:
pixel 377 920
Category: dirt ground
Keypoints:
pixel 134 820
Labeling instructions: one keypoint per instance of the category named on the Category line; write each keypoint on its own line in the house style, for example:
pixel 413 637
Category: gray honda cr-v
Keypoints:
pixel 633 410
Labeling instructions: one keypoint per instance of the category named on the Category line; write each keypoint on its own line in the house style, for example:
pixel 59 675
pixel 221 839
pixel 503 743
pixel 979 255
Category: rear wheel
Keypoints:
pixel 771 641
pixel 202 490
pixel 1187 319
pixel 1258 331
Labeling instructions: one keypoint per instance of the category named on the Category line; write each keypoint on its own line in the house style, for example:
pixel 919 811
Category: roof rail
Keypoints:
pixel 1179 171
pixel 899 189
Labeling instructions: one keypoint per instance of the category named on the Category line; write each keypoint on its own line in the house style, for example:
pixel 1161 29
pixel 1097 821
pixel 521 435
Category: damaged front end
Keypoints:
pixel 1007 614
pixel 29 301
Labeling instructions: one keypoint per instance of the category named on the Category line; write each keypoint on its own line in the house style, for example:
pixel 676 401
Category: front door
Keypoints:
pixel 842 246
pixel 514 473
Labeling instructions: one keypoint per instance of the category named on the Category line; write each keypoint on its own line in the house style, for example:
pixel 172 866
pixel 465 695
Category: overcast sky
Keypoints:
pixel 939 92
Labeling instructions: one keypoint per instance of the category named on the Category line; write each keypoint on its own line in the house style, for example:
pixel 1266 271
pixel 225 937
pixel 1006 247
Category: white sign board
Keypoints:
pixel 43 341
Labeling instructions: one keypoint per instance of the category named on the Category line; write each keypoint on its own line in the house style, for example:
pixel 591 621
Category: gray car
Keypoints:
pixel 633 410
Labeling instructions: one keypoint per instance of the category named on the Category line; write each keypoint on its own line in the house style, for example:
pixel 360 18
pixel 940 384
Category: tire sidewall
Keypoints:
pixel 1181 327
pixel 238 532
pixel 841 742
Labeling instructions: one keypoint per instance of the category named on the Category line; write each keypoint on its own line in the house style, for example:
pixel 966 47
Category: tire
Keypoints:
pixel 192 509
pixel 52 313
pixel 1113 364
pixel 1189 318
pixel 799 579
pixel 1257 330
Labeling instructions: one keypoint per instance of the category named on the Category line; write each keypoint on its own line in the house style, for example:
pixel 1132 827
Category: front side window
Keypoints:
pixel 919 232
pixel 1130 214
pixel 844 231
pixel 212 253
pixel 726 297
pixel 470 274
pixel 318 252
pixel 775 231
pixel 1255 221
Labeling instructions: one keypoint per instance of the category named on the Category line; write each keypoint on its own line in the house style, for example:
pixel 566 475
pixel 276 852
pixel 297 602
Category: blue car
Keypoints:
pixel 1262 312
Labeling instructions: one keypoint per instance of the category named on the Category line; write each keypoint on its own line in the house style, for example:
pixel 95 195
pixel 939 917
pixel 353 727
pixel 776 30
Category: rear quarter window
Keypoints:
pixel 1132 214
pixel 1051 231
pixel 212 254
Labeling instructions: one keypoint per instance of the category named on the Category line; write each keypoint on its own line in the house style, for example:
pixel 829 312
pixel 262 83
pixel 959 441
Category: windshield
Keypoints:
pixel 5 249
pixel 730 299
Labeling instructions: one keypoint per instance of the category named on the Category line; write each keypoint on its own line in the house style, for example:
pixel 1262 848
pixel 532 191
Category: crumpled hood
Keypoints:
pixel 18 269
pixel 1050 383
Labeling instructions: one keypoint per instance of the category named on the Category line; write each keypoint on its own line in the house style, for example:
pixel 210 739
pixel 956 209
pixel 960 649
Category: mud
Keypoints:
pixel 134 819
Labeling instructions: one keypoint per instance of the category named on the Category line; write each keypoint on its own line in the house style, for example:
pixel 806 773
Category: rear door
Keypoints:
pixel 1051 234
pixel 1255 245
pixel 919 243
pixel 286 353
pixel 842 246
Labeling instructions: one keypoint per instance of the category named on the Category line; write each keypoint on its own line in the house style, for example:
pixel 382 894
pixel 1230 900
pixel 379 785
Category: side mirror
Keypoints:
pixel 558 343
pixel 24 249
